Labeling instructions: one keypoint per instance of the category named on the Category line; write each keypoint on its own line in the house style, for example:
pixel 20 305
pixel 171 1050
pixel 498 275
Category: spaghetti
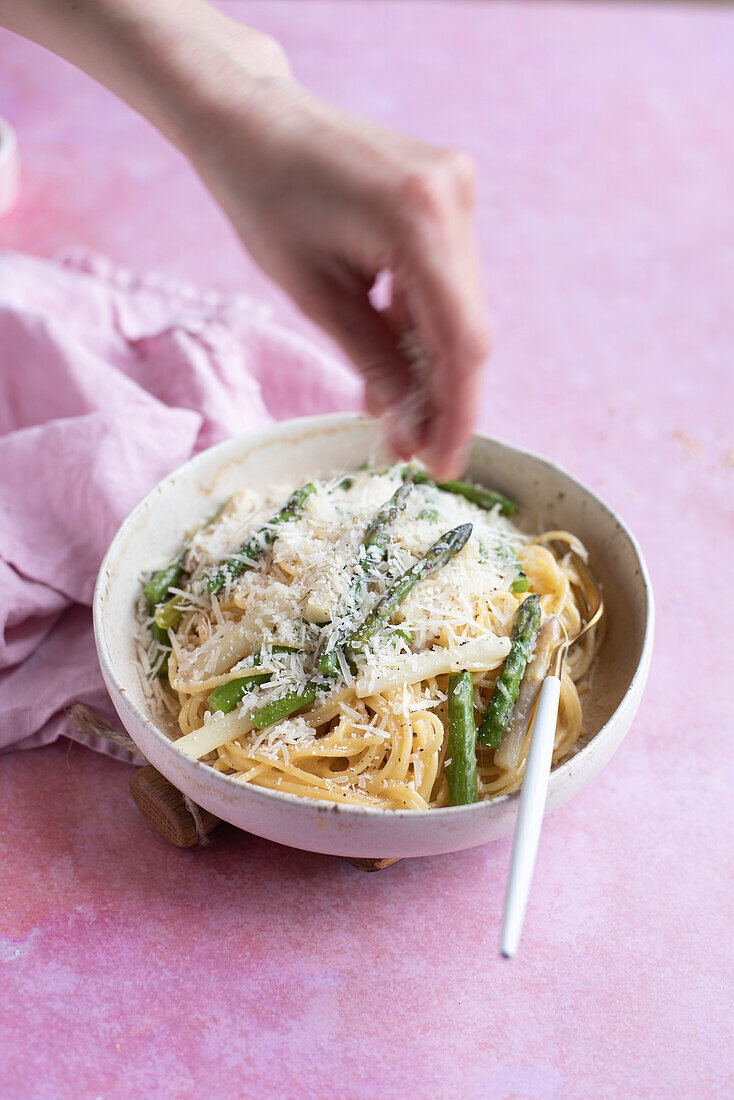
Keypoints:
pixel 262 595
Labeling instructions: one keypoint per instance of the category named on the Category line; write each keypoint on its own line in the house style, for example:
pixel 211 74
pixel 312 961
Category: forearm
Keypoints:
pixel 171 60
pixel 323 201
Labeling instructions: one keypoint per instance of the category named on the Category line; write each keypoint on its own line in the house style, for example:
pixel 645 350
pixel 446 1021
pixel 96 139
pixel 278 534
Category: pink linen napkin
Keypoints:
pixel 108 381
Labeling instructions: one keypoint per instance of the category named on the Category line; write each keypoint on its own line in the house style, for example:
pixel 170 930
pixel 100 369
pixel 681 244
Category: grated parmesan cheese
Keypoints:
pixel 296 593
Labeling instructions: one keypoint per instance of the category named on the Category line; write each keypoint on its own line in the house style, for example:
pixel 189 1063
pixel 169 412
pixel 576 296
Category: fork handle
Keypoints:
pixel 530 813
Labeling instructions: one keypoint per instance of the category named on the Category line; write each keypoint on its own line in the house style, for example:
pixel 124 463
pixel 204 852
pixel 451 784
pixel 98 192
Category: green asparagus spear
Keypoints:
pixel 520 583
pixel 442 551
pixel 477 494
pixel 156 590
pixel 283 707
pixel 377 535
pixel 168 614
pixel 226 697
pixel 461 769
pixel 373 550
pixel 159 657
pixel 524 636
pixel 257 544
pixel 257 659
pixel 329 663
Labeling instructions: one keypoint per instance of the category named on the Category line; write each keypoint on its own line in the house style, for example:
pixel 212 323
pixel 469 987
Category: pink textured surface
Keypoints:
pixel 604 140
pixel 109 382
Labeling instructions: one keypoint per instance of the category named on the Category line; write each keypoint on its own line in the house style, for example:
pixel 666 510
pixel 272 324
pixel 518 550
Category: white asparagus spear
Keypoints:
pixel 476 655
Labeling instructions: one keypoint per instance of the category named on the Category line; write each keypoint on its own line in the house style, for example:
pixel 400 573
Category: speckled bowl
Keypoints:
pixel 291 452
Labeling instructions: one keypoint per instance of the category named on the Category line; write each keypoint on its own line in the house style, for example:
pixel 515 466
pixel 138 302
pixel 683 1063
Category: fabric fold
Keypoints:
pixel 108 381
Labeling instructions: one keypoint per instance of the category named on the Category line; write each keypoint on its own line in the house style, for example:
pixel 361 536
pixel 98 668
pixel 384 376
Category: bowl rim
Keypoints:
pixel 229 783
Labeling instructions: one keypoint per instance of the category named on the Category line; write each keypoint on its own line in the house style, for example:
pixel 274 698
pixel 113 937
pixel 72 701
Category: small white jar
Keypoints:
pixel 9 168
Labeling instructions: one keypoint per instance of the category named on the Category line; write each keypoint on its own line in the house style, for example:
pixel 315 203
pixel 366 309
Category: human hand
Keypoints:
pixel 325 202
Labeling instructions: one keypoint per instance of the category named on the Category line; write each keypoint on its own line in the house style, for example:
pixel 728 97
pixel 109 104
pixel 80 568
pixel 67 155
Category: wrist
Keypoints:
pixel 197 75
pixel 198 65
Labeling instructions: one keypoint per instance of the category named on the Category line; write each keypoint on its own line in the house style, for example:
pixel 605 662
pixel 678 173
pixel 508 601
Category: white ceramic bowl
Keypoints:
pixel 291 452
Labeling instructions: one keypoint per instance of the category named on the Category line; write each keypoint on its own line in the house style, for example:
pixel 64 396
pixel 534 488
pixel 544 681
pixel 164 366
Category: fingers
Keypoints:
pixel 374 341
pixel 421 357
pixel 438 278
pixel 450 326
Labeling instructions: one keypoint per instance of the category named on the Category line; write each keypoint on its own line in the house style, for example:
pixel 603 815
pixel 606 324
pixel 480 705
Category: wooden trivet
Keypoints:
pixel 178 820
pixel 183 823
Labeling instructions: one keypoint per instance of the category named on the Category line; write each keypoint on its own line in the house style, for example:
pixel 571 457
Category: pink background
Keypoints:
pixel 606 222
